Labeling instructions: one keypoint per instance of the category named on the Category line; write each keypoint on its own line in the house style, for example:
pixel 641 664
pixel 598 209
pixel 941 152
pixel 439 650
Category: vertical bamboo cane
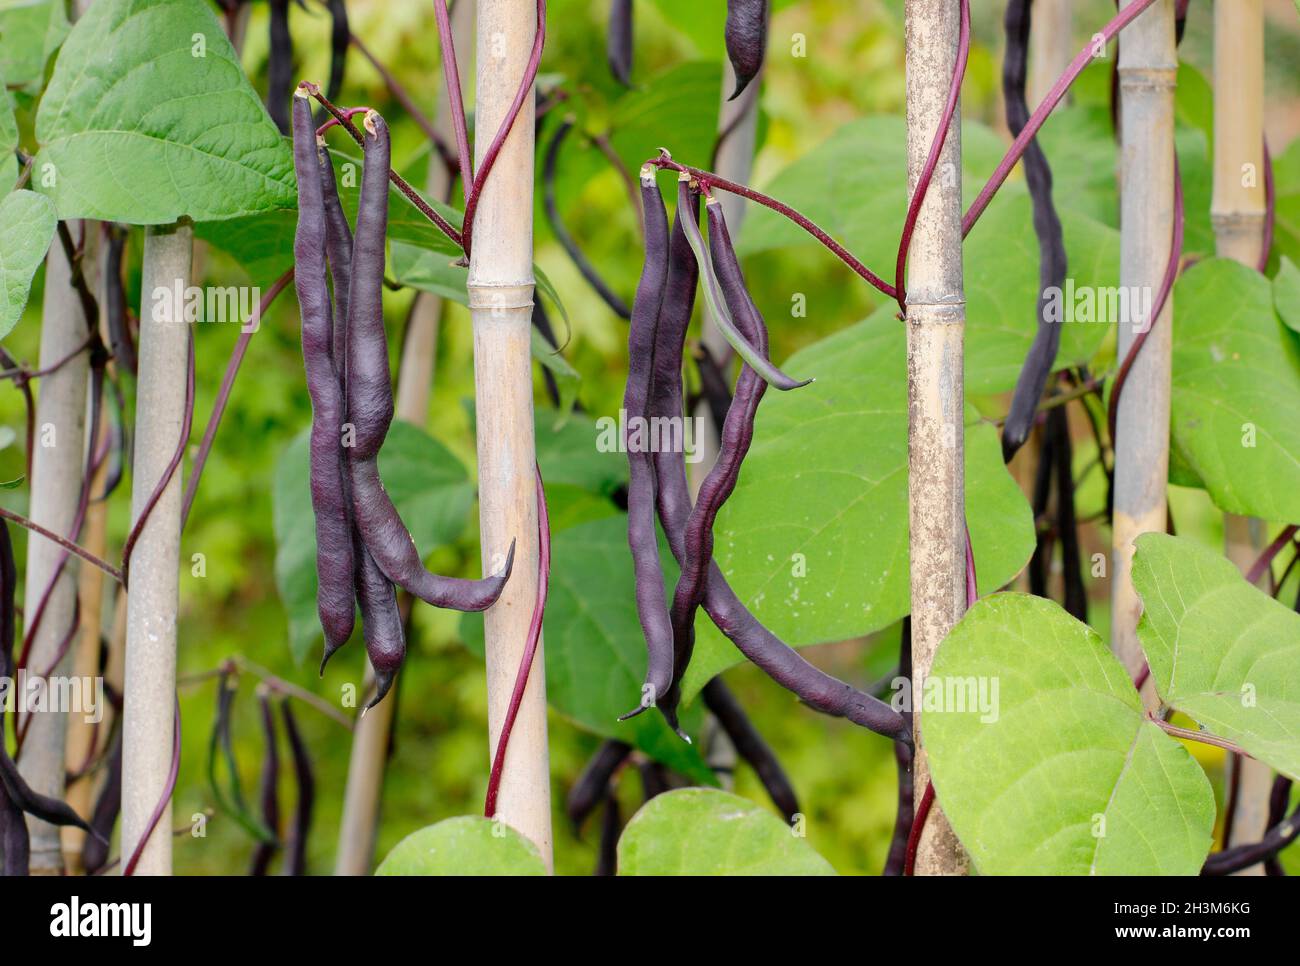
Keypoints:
pixel 501 300
pixel 370 737
pixel 1148 66
pixel 936 322
pixel 1238 210
pixel 153 601
pixel 57 466
pixel 85 663
pixel 1051 46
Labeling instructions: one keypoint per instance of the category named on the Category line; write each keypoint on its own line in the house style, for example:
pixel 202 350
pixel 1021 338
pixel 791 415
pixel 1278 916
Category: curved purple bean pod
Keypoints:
pixel 381 623
pixel 334 564
pixel 592 784
pixel 561 232
pixel 611 827
pixel 370 404
pixel 338 246
pixel 751 746
pixel 279 68
pixel 719 311
pixel 295 862
pixel 618 41
pixel 1052 262
pixel 270 788
pixel 651 597
pixel 340 40
pixel 736 434
pixel 119 334
pixel 94 853
pixel 746 36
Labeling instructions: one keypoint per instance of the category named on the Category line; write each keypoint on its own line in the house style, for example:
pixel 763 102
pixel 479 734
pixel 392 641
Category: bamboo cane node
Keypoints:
pixel 947 312
pixel 1237 222
pixel 1136 79
pixel 500 296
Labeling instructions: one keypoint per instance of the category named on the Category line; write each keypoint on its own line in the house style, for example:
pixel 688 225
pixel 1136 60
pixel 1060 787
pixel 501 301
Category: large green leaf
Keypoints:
pixel 814 539
pixel 263 242
pixel 849 185
pixel 148 116
pixel 1058 771
pixel 429 271
pixel 1221 651
pixel 1286 169
pixel 595 652
pixel 1286 293
pixel 677 109
pixel 29 222
pixel 700 831
pixel 8 140
pixel 30 31
pixel 428 485
pixel 1236 392
pixel 1001 279
pixel 466 845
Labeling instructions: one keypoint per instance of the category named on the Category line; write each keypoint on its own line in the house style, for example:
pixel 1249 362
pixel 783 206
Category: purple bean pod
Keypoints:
pixel 338 246
pixel 737 432
pixel 370 404
pixel 746 37
pixel 334 564
pixel 618 41
pixel 94 853
pixel 1052 264
pixel 592 785
pixel 295 862
pixel 751 747
pixel 269 789
pixel 651 597
pixel 279 68
pixel 381 623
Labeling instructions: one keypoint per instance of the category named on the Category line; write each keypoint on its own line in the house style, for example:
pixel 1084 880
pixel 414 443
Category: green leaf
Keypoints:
pixel 595 652
pixel 700 831
pixel 148 117
pixel 29 223
pixel 850 186
pixel 814 539
pixel 567 378
pixel 428 485
pixel 581 453
pixel 1002 286
pixel 8 140
pixel 1286 171
pixel 429 271
pixel 680 104
pixel 1058 771
pixel 467 845
pixel 1221 651
pixel 30 31
pixel 1235 399
pixel 1286 293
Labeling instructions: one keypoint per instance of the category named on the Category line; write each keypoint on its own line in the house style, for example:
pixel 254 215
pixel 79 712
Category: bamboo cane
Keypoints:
pixel 57 466
pixel 362 793
pixel 80 739
pixel 153 600
pixel 501 299
pixel 1050 46
pixel 1238 210
pixel 936 321
pixel 1148 67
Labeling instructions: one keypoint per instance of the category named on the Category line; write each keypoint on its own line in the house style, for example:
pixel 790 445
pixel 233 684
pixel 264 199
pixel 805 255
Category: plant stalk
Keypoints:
pixel 1148 67
pixel 153 600
pixel 1237 211
pixel 936 321
pixel 501 305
